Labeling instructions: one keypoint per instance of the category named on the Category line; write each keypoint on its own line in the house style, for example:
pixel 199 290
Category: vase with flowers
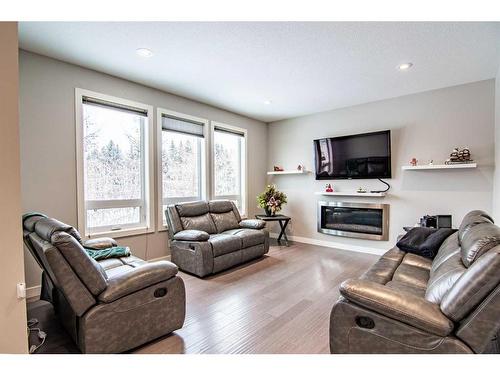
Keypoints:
pixel 271 200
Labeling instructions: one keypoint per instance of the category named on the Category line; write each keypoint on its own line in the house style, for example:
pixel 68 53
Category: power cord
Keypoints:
pixel 382 191
pixel 41 335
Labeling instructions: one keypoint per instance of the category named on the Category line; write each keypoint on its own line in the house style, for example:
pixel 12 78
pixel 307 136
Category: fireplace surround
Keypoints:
pixel 358 220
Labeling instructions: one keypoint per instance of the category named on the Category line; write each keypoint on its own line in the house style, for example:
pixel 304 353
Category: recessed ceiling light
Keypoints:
pixel 144 52
pixel 405 66
pixel 268 102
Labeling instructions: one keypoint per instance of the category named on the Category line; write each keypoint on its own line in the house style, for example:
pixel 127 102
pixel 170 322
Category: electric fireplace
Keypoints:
pixel 358 220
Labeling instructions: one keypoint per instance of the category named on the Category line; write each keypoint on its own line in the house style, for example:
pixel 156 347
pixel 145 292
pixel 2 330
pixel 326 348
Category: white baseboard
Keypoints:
pixel 34 291
pixel 336 245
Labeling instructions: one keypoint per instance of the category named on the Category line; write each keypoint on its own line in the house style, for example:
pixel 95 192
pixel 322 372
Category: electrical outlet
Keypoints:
pixel 21 290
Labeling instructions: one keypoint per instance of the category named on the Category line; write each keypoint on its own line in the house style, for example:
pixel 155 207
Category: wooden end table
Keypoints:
pixel 282 220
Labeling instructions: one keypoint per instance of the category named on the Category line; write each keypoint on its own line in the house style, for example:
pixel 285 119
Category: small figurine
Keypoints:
pixel 431 162
pixel 278 169
pixel 300 168
pixel 329 188
pixel 361 190
pixel 413 162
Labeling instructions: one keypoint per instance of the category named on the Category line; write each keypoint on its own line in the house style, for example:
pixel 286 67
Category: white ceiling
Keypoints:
pixel 301 67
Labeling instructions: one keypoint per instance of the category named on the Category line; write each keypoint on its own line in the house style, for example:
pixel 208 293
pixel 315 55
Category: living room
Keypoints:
pixel 251 187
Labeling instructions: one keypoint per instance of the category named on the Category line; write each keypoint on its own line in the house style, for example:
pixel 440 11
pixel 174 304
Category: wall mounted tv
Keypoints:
pixel 354 156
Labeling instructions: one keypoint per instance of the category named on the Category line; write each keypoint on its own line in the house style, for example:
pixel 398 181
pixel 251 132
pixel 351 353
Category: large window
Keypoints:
pixel 182 162
pixel 113 164
pixel 229 164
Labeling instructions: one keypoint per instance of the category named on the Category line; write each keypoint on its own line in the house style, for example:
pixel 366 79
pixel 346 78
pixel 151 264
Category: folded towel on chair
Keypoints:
pixel 110 252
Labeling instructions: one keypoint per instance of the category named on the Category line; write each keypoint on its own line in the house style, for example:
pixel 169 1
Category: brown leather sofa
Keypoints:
pixel 109 306
pixel 409 304
pixel 209 237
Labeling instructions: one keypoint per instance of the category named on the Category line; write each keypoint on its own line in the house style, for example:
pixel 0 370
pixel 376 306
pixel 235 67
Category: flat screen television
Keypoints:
pixel 354 156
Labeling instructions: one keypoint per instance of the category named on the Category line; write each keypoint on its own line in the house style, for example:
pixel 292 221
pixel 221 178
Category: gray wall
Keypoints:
pixel 426 126
pixel 47 116
pixel 496 185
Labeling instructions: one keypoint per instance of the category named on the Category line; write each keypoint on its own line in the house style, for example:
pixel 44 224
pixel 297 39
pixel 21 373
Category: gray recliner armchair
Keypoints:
pixel 109 306
pixel 209 237
pixel 406 303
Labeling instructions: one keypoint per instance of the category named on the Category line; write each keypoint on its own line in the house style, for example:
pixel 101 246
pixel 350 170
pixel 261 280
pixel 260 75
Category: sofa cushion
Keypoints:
pixel 192 208
pixel 253 224
pixel 472 219
pixel 473 286
pixel 220 206
pixel 416 276
pixel 407 288
pixel 224 244
pixel 87 269
pixel 477 240
pixel 249 237
pixel 443 278
pixel 225 221
pixel 383 271
pixel 191 235
pixel 202 222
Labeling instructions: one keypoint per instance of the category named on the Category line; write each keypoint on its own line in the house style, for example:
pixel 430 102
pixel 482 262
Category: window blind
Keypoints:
pixel 117 106
pixel 229 131
pixel 182 125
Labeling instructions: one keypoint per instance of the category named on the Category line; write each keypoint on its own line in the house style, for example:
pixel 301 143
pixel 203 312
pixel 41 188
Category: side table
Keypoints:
pixel 282 220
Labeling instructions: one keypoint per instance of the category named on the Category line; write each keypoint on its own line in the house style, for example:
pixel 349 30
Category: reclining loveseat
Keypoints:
pixel 209 237
pixel 107 306
pixel 407 303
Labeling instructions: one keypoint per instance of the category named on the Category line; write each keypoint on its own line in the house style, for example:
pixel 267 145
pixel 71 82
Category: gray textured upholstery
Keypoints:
pixel 253 224
pixel 191 235
pixel 230 242
pixel 409 304
pixel 109 306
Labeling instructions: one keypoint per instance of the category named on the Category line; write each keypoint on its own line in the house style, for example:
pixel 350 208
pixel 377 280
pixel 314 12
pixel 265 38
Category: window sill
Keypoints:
pixel 122 232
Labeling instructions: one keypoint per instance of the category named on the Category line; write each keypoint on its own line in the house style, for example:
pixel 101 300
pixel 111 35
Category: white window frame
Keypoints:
pixel 204 183
pixel 147 201
pixel 244 174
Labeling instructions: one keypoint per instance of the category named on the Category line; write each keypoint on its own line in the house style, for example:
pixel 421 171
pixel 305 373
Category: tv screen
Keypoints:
pixel 354 156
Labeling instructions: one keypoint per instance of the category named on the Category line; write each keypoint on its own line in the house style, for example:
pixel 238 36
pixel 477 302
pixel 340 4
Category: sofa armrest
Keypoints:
pixel 137 278
pixel 405 307
pixel 100 243
pixel 191 235
pixel 252 224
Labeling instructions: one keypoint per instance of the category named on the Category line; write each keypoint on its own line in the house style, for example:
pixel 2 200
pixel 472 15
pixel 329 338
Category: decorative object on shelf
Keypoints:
pixel 413 162
pixel 431 162
pixel 329 188
pixel 301 168
pixel 271 200
pixel 361 190
pixel 278 168
pixel 459 156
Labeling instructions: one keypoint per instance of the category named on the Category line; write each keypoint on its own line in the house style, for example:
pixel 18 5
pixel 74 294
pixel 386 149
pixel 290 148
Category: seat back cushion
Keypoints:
pixel 87 269
pixel 225 221
pixel 195 215
pixel 473 286
pixel 472 219
pixel 477 240
pixel 222 206
pixel 202 222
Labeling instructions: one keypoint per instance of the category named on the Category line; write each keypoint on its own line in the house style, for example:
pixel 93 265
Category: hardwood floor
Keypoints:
pixel 278 304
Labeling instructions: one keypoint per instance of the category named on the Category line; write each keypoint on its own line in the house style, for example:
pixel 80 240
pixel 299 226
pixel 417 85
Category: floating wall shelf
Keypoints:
pixel 351 194
pixel 438 166
pixel 287 172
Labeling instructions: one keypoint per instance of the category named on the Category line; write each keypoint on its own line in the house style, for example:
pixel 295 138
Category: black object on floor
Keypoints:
pixel 57 341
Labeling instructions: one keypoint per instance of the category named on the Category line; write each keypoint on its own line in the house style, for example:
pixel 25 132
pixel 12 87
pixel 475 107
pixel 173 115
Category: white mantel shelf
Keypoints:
pixel 438 166
pixel 351 194
pixel 287 172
